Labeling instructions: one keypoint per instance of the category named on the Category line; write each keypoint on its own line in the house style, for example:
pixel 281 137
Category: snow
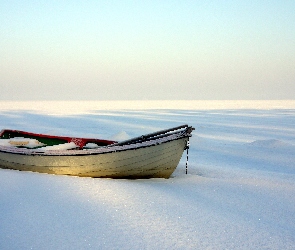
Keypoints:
pixel 121 136
pixel 63 146
pixel 238 193
pixel 20 141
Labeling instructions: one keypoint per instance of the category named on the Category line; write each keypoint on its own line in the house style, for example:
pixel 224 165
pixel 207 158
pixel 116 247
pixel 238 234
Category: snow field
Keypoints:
pixel 238 194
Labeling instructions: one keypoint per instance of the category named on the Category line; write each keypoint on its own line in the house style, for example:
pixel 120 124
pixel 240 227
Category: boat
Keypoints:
pixel 154 155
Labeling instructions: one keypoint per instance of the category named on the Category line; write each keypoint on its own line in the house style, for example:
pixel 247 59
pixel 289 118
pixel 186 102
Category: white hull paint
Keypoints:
pixel 157 160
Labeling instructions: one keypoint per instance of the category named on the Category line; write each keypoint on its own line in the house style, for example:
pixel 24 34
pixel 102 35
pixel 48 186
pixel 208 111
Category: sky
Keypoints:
pixel 147 50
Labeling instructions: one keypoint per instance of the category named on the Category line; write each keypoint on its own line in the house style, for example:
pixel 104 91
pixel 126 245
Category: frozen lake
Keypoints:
pixel 238 193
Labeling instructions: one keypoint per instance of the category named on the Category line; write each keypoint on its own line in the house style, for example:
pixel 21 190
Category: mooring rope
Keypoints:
pixel 187 148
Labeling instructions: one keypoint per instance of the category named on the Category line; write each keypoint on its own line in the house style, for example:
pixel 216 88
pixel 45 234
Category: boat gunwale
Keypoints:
pixel 101 150
pixel 79 141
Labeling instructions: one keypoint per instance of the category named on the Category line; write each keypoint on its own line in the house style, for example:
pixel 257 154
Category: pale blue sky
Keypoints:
pixel 140 50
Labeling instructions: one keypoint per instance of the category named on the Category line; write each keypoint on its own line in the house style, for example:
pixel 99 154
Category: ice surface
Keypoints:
pixel 238 194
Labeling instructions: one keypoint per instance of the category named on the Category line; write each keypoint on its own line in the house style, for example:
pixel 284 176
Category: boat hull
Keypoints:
pixel 153 161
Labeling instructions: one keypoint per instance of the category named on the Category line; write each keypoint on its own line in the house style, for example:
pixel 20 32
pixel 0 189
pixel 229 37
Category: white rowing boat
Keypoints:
pixel 154 155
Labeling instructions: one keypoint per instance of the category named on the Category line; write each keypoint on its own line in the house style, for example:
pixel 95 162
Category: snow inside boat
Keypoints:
pixel 154 155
